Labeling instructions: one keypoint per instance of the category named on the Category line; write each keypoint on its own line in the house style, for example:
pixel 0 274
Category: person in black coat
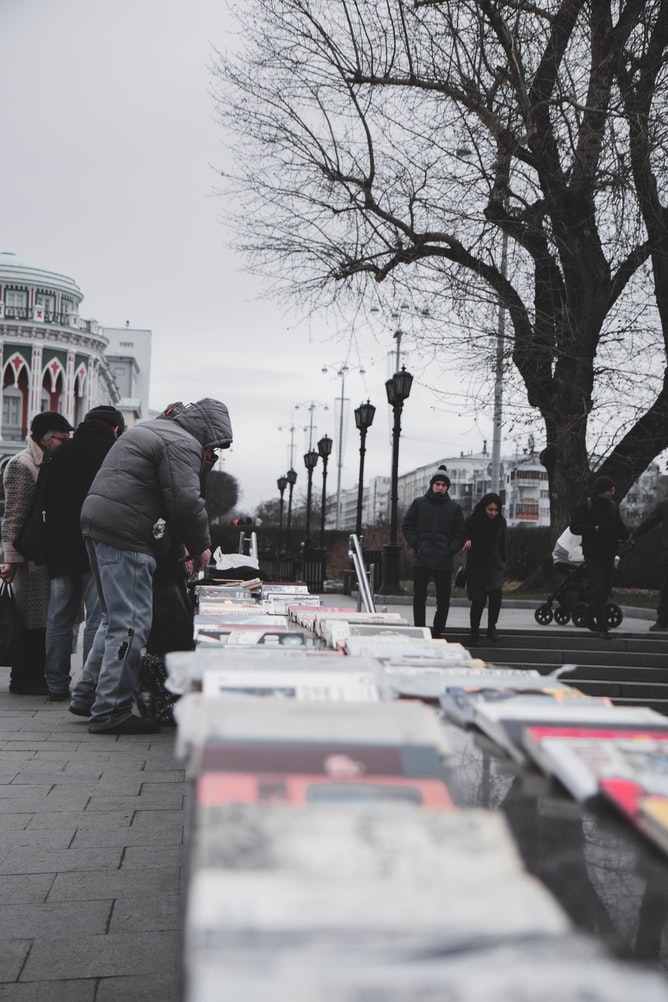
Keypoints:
pixel 71 472
pixel 433 527
pixel 485 547
pixel 599 523
pixel 659 516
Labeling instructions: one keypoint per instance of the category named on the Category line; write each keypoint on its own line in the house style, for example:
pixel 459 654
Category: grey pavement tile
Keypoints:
pixel 29 799
pixel 39 860
pixel 91 885
pixel 15 822
pixel 79 821
pixel 161 839
pixel 76 918
pixel 36 837
pixel 33 777
pixel 165 800
pixel 146 914
pixel 14 759
pixel 8 777
pixel 12 957
pixel 163 987
pixel 149 857
pixel 18 791
pixel 25 888
pixel 156 820
pixel 103 956
pixel 44 747
pixel 53 991
pixel 156 774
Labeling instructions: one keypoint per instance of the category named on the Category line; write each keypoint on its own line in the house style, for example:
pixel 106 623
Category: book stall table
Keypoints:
pixel 347 841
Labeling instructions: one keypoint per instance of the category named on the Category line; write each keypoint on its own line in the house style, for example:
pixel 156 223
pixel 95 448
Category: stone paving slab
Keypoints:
pixel 91 843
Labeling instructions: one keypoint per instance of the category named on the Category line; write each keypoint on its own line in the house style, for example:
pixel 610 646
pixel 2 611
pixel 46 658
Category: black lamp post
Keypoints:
pixel 291 477
pixel 398 389
pixel 310 460
pixel 281 483
pixel 364 415
pixel 324 450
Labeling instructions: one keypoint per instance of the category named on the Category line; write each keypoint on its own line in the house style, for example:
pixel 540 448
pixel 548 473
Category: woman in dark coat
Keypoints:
pixel 485 563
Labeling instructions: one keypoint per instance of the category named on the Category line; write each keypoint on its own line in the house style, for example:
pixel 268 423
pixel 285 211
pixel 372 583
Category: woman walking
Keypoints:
pixel 31 583
pixel 485 546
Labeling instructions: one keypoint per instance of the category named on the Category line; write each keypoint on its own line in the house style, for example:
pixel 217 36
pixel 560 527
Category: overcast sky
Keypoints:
pixel 107 175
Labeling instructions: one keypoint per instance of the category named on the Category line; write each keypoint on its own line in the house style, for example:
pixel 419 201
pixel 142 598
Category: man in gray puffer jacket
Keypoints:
pixel 147 492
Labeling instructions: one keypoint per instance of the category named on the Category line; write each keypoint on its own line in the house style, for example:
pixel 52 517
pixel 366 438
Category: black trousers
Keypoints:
pixel 442 581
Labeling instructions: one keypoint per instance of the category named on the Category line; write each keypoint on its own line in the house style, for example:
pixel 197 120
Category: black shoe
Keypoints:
pixel 80 711
pixel 492 635
pixel 29 690
pixel 131 725
pixel 58 697
pixel 658 628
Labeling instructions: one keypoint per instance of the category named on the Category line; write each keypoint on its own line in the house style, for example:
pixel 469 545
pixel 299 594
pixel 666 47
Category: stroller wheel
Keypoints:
pixel 613 615
pixel 580 614
pixel 562 616
pixel 543 615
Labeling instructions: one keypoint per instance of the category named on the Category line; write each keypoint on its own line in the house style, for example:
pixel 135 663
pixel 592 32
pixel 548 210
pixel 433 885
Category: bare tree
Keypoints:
pixel 419 141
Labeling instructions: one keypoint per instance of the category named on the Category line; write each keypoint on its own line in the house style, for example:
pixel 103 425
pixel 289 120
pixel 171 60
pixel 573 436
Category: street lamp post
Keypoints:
pixel 281 483
pixel 343 371
pixel 310 460
pixel 364 415
pixel 324 450
pixel 398 390
pixel 291 477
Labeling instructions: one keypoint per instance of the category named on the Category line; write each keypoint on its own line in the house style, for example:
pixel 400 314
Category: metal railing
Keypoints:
pixel 357 557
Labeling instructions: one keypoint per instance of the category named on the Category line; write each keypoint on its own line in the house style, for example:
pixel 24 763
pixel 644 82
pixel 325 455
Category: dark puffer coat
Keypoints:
pixel 599 523
pixel 72 469
pixel 486 558
pixel 154 472
pixel 433 527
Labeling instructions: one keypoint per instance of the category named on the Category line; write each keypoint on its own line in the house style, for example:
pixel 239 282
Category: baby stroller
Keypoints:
pixel 571 591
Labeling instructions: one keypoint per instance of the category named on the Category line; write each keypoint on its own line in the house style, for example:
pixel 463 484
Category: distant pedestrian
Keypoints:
pixel 48 431
pixel 659 517
pixel 434 529
pixel 485 547
pixel 71 472
pixel 146 494
pixel 598 521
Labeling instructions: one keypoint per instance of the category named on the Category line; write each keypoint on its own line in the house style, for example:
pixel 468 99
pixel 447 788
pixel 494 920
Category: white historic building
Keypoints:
pixel 55 359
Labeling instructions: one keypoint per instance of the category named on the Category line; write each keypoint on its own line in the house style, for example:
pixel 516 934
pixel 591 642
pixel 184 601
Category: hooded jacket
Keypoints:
pixel 152 472
pixel 599 523
pixel 433 527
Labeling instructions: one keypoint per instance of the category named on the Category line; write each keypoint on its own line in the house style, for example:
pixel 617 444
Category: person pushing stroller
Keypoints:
pixel 598 522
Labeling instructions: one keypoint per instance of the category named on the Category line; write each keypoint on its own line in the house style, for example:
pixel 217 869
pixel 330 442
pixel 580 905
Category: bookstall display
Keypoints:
pixel 331 857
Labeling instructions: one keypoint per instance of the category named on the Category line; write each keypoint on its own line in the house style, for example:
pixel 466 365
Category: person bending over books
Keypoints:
pixel 485 547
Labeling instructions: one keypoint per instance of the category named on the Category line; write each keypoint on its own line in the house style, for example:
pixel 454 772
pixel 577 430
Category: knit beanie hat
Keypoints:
pixel 107 414
pixel 48 421
pixel 603 484
pixel 440 475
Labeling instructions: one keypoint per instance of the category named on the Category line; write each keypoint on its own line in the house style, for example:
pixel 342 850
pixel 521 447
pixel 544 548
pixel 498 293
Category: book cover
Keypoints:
pixel 580 760
pixel 504 722
pixel 218 788
pixel 286 683
pixel 460 702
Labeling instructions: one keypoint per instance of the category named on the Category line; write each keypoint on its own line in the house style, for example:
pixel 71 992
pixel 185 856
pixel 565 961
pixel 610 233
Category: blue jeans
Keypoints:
pixel 125 585
pixel 66 594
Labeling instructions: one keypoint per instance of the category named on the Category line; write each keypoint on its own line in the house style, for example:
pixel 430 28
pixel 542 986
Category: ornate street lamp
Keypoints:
pixel 398 389
pixel 310 460
pixel 281 483
pixel 324 451
pixel 364 415
pixel 291 477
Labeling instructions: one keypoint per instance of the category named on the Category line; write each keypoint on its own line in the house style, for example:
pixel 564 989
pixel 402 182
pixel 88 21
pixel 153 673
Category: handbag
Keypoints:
pixel 460 576
pixel 11 628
